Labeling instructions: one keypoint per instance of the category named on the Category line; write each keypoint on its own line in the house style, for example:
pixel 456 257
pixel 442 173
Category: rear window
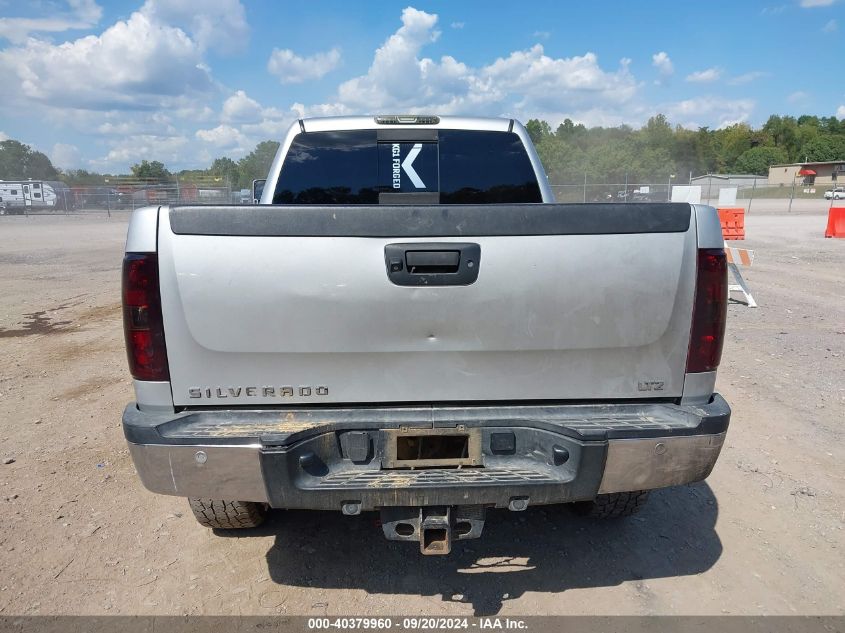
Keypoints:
pixel 458 167
pixel 485 167
pixel 330 168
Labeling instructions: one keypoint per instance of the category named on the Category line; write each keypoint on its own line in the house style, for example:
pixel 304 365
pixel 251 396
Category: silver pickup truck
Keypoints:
pixel 409 324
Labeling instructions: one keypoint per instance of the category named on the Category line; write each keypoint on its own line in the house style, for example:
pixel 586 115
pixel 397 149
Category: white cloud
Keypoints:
pixel 663 64
pixel 830 27
pixel 542 81
pixel 395 74
pixel 141 86
pixel 526 81
pixel 266 129
pixel 457 25
pixel 132 149
pixel 144 89
pixel 241 109
pixel 705 76
pixel 135 64
pixel 542 35
pixel 65 156
pixel 840 112
pixel 3 136
pixel 290 68
pixel 245 122
pixel 82 14
pixel 132 137
pixel 214 24
pixel 746 78
pixel 193 111
pixel 810 4
pixel 188 136
pixel 798 97
pixel 121 124
pixel 153 59
pixel 708 111
pixel 221 136
pixel 320 109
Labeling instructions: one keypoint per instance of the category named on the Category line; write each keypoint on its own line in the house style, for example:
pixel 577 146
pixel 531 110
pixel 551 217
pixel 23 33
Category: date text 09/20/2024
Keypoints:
pixel 417 623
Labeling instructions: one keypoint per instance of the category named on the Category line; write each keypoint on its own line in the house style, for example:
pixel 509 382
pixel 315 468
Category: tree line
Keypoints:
pixel 20 161
pixel 569 152
pixel 657 149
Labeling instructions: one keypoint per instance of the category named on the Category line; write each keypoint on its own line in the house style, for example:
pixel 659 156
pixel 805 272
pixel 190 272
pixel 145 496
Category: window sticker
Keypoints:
pixel 408 167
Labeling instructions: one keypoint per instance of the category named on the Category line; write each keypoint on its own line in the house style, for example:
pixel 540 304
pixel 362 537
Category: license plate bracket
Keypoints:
pixel 407 447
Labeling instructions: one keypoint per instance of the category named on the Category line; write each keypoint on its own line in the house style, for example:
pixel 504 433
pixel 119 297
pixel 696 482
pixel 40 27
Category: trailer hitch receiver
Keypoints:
pixel 434 527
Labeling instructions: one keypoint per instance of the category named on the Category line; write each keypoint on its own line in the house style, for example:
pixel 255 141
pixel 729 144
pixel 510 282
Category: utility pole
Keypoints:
pixel 751 199
pixel 791 195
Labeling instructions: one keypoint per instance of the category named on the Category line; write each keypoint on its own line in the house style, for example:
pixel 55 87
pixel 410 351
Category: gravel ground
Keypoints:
pixel 79 535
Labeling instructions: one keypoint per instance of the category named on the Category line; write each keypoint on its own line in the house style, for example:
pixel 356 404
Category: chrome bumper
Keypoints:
pixel 659 462
pixel 210 472
pixel 339 458
pixel 235 471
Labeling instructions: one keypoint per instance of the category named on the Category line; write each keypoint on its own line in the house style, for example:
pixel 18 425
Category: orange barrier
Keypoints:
pixel 740 257
pixel 835 222
pixel 733 222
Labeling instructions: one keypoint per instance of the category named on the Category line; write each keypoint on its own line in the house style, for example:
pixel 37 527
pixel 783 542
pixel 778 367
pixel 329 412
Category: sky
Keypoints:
pixel 100 85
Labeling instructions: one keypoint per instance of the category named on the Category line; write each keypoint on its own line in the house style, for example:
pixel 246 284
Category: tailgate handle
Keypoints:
pixel 432 264
pixel 428 262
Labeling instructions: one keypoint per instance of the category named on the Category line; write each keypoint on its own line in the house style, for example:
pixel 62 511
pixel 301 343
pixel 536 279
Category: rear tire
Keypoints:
pixel 228 515
pixel 613 506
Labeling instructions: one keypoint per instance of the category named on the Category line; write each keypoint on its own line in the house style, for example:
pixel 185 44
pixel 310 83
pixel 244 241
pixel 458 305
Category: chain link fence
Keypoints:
pixel 647 192
pixel 611 192
pixel 118 197
pixel 126 196
pixel 712 189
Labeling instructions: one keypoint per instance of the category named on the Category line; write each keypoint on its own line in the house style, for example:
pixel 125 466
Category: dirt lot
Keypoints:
pixel 79 535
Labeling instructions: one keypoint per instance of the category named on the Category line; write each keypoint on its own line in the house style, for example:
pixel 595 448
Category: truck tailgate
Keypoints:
pixel 278 305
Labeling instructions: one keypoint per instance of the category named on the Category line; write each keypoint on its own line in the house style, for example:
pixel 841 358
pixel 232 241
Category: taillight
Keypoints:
pixel 709 311
pixel 143 326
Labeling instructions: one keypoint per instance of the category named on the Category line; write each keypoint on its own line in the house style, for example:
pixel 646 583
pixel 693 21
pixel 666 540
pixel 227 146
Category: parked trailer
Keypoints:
pixel 20 195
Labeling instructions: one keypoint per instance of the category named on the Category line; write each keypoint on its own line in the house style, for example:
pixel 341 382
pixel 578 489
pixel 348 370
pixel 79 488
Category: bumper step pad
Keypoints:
pixel 434 478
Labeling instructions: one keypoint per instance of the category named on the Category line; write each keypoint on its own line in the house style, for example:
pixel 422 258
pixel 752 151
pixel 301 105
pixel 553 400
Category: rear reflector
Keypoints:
pixel 709 311
pixel 143 326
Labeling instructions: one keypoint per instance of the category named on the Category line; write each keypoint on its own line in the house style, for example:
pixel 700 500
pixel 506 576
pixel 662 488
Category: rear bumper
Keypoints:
pixel 332 459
